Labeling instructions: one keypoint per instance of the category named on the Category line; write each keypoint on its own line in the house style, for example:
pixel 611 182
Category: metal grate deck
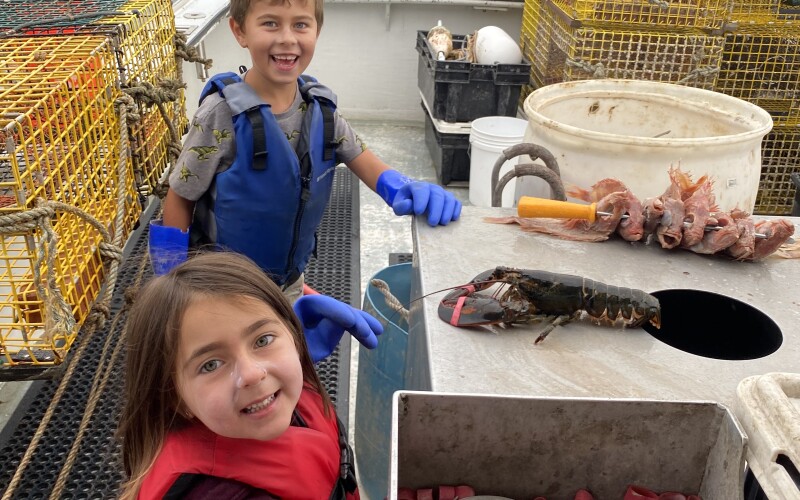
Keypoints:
pixel 96 471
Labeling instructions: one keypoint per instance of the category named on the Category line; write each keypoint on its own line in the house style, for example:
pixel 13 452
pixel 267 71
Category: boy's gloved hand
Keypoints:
pixel 325 320
pixel 169 246
pixel 407 196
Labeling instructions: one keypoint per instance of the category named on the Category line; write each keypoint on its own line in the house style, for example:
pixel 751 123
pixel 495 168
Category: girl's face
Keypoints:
pixel 238 370
pixel 281 39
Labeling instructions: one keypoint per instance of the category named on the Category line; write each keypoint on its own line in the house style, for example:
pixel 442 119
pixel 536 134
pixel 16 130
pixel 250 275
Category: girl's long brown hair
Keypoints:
pixel 152 404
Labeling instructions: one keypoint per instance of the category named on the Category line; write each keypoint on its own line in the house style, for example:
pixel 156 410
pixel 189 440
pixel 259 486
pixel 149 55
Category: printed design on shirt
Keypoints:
pixel 303 107
pixel 340 140
pixel 199 126
pixel 203 152
pixel 291 135
pixel 222 135
pixel 361 143
pixel 186 173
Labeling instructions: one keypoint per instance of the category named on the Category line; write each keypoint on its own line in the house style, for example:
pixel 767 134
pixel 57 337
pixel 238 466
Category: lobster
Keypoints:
pixel 533 295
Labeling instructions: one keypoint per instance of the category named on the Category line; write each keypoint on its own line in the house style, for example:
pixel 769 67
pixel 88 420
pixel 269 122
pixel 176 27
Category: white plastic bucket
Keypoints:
pixel 635 130
pixel 488 137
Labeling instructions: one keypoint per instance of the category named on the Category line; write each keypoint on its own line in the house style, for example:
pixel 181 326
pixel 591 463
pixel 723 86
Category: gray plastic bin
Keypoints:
pixel 521 447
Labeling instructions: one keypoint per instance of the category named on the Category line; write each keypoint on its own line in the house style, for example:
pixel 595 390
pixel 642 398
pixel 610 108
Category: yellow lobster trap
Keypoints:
pixel 145 38
pixel 704 14
pixel 563 49
pixel 142 35
pixel 64 180
pixel 763 12
pixel 761 64
pixel 780 157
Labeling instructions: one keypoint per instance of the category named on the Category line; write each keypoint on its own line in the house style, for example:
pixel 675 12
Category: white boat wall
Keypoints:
pixel 366 50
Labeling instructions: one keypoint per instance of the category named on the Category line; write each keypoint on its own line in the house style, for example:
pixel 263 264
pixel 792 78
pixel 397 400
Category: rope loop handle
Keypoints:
pixel 391 300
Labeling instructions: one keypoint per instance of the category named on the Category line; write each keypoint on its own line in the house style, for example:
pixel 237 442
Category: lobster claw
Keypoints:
pixel 464 307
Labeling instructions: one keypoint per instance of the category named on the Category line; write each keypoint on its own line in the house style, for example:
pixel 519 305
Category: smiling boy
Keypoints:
pixel 271 141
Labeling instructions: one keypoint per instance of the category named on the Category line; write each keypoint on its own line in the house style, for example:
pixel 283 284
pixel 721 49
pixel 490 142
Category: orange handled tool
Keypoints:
pixel 528 206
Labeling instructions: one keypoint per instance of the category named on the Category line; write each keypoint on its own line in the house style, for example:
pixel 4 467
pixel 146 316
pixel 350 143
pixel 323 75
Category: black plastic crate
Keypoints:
pixel 449 151
pixel 460 91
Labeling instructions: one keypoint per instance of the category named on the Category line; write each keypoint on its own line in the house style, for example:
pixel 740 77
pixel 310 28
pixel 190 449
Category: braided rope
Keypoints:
pixel 167 91
pixel 188 53
pixel 696 73
pixel 100 309
pixel 391 300
pixel 661 4
pixel 595 70
pixel 101 377
pixel 124 103
pixel 185 52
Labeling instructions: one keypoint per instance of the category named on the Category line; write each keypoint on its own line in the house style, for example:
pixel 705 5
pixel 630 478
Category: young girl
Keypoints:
pixel 223 400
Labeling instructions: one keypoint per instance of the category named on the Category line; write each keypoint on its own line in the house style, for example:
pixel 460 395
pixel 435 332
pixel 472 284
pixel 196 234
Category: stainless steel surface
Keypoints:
pixel 581 359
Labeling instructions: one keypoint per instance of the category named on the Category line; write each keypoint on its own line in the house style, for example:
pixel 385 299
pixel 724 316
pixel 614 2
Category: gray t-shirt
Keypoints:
pixel 210 147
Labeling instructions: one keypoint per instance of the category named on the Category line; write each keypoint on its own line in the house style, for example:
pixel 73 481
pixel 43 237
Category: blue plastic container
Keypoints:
pixel 380 374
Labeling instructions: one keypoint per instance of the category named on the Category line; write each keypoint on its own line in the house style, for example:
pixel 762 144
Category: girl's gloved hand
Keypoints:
pixel 168 247
pixel 325 320
pixel 407 196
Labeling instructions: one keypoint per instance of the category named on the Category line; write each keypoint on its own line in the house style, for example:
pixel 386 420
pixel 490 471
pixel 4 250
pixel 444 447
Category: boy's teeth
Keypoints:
pixel 258 406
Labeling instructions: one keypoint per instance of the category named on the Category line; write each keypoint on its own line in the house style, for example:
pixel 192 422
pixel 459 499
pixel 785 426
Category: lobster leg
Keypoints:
pixel 558 321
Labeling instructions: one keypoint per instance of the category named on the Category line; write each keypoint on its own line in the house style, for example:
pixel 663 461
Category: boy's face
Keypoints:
pixel 238 370
pixel 281 38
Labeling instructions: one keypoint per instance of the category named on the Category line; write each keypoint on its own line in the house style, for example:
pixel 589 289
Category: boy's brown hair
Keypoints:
pixel 240 8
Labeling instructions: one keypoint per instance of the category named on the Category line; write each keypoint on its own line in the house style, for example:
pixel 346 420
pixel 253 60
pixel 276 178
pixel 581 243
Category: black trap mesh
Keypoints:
pixel 37 15
pixel 97 472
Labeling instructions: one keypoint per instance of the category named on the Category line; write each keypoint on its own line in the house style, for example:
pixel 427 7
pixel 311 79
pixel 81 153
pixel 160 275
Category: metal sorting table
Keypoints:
pixel 582 359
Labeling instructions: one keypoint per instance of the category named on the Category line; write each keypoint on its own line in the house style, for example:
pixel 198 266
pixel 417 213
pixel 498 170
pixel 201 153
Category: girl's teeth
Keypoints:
pixel 259 406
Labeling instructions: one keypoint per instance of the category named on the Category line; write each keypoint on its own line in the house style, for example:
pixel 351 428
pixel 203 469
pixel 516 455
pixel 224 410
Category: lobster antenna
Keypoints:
pixel 407 305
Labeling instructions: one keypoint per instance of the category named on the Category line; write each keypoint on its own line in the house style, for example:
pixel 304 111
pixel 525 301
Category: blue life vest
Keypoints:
pixel 268 204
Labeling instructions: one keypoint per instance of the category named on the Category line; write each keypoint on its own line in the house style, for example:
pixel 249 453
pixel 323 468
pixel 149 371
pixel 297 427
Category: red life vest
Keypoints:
pixel 303 462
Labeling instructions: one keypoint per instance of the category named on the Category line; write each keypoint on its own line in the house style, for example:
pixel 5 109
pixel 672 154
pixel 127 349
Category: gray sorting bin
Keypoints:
pixel 523 447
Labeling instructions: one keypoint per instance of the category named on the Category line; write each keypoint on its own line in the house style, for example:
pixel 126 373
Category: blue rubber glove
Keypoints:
pixel 407 196
pixel 169 246
pixel 325 320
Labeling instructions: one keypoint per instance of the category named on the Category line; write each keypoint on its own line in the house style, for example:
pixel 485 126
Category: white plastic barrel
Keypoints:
pixel 635 130
pixel 488 137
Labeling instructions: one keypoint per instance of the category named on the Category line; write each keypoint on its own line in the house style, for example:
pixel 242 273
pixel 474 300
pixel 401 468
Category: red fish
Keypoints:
pixel 777 232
